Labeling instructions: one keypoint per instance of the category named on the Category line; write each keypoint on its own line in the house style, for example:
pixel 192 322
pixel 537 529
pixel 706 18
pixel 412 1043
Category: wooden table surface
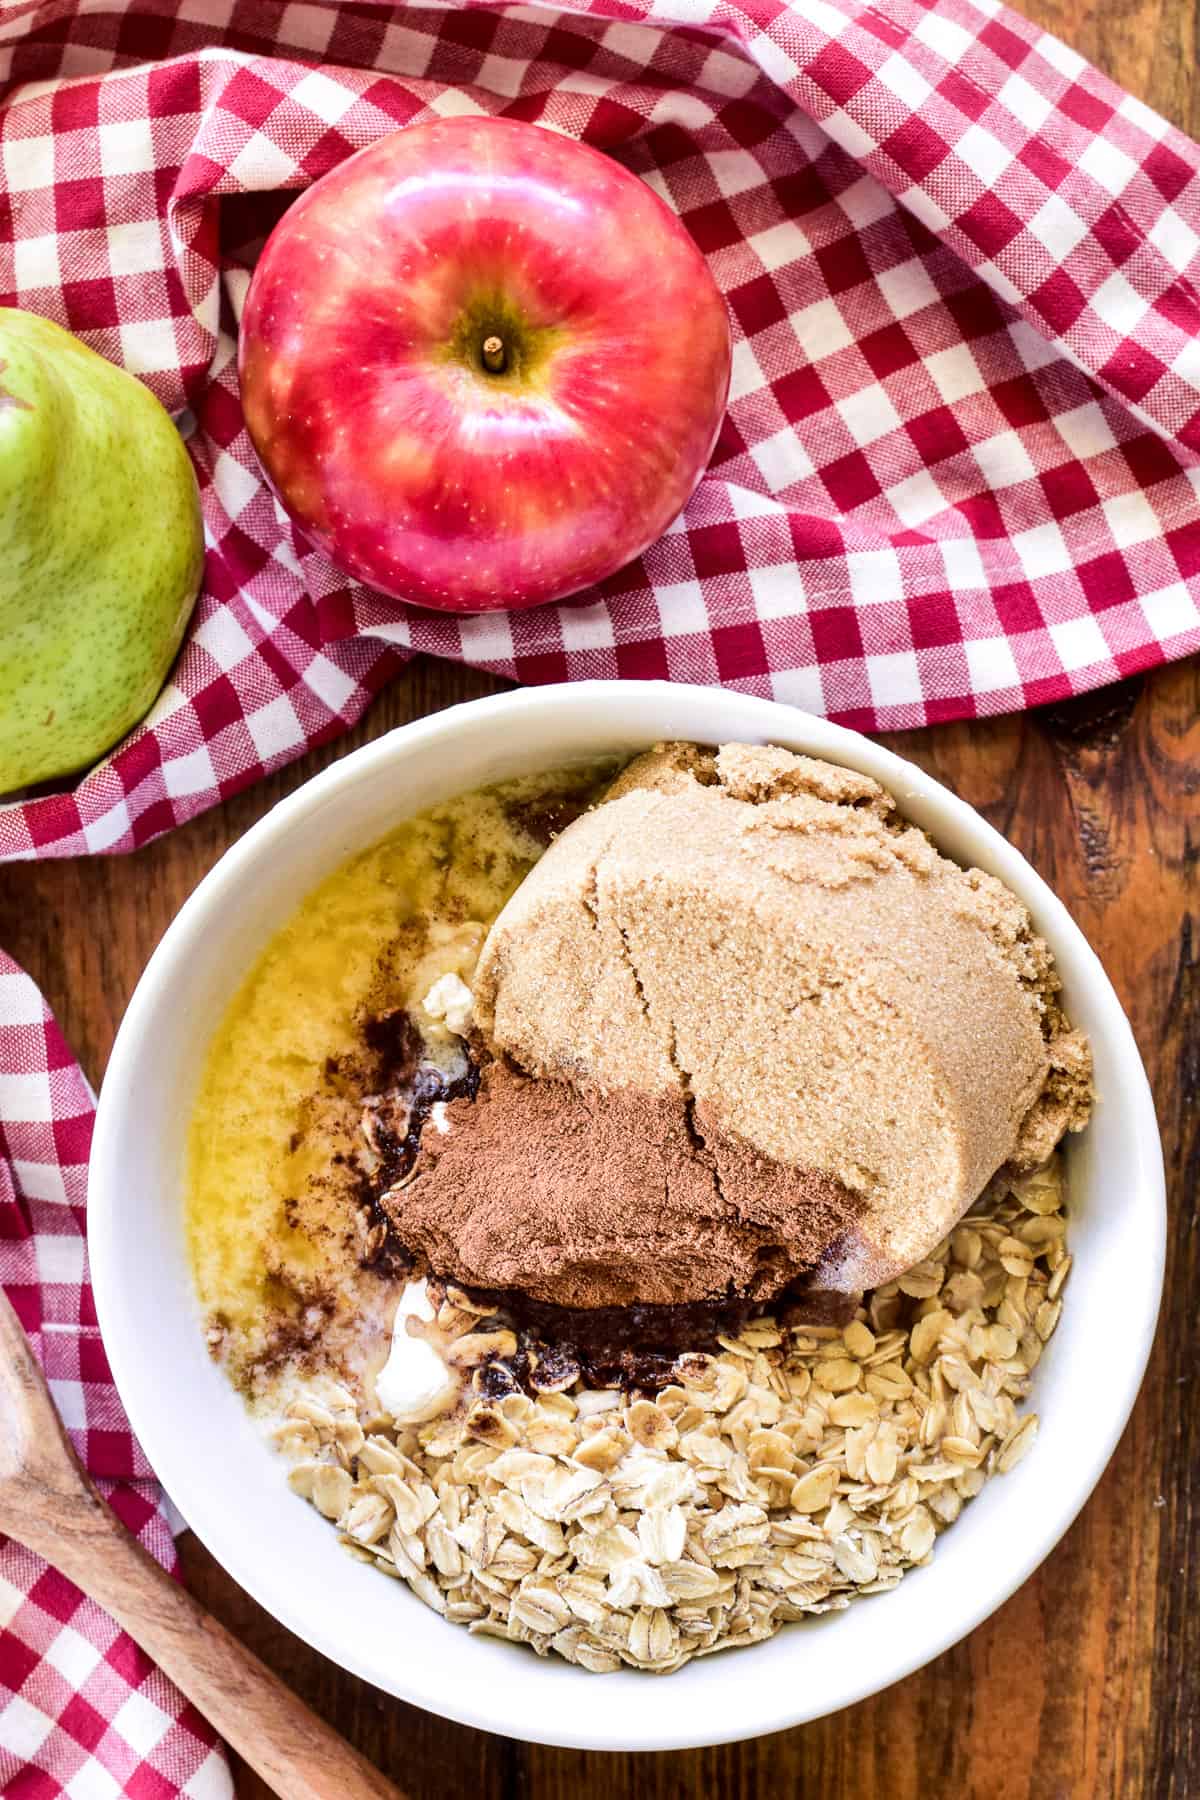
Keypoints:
pixel 1088 1682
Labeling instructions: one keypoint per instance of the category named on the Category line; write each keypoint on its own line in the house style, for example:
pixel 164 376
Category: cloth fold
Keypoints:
pixel 82 1710
pixel 958 472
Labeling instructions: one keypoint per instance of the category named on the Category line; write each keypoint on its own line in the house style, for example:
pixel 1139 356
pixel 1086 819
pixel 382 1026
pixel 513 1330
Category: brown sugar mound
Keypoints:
pixel 758 937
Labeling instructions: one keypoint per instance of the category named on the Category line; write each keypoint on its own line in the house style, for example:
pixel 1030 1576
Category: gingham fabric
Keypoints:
pixel 83 1712
pixel 958 473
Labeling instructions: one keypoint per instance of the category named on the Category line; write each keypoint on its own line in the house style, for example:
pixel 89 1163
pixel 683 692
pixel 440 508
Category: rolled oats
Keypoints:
pixel 330 1490
pixel 778 1479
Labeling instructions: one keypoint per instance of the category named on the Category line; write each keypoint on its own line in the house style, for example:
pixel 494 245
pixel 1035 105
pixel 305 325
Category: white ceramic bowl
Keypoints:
pixel 230 1487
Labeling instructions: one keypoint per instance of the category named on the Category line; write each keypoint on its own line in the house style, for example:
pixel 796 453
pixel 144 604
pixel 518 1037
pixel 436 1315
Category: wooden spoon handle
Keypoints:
pixel 293 1750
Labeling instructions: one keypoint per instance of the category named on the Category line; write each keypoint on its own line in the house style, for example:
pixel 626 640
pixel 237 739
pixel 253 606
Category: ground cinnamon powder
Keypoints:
pixel 586 1199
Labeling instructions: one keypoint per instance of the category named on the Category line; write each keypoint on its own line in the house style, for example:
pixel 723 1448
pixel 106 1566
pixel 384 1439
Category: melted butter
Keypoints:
pixel 271 1217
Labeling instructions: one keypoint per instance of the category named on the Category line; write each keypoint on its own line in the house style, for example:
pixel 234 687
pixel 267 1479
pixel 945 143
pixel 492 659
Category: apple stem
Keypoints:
pixel 494 359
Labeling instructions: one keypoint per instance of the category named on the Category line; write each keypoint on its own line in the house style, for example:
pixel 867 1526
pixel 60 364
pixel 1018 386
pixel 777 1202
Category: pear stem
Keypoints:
pixel 494 359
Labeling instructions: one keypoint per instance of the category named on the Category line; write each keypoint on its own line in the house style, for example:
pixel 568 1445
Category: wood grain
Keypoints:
pixel 1085 1684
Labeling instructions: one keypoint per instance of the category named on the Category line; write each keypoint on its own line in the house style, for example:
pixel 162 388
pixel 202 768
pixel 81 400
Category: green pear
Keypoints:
pixel 102 550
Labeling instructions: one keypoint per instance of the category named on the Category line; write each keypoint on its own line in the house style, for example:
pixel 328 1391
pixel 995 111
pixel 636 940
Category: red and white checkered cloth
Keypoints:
pixel 959 469
pixel 83 1712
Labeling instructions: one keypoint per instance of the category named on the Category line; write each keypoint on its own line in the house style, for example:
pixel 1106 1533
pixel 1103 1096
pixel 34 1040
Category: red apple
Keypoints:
pixel 482 365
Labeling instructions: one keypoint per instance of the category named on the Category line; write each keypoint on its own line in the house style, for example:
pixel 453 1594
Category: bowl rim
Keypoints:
pixel 781 722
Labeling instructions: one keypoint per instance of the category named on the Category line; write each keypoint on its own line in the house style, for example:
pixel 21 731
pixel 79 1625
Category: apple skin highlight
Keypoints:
pixel 482 365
